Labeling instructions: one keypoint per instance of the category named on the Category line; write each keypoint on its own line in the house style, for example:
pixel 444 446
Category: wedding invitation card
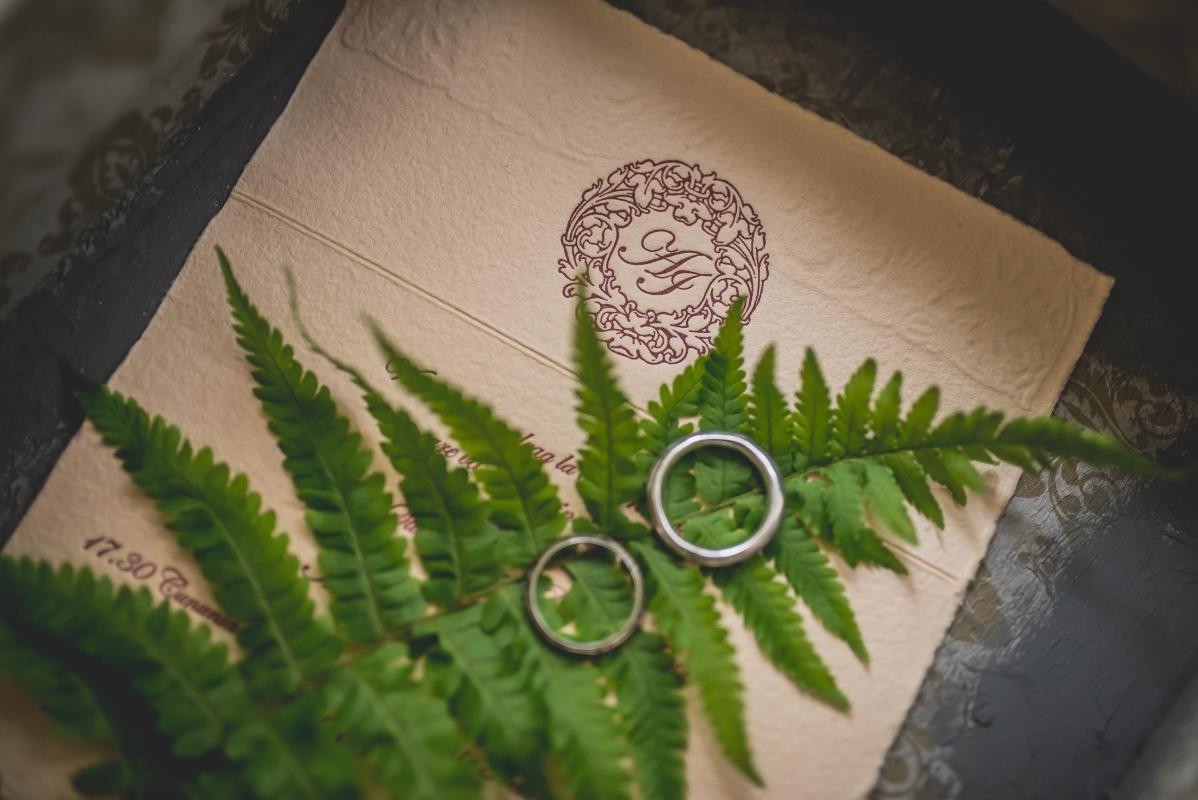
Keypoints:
pixel 451 169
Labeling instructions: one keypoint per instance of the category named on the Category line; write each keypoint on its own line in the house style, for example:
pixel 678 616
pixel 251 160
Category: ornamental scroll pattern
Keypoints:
pixel 681 293
pixel 1052 513
pixel 120 161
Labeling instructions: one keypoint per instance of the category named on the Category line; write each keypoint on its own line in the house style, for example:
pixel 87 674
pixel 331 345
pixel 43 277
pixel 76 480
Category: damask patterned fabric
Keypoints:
pixel 62 193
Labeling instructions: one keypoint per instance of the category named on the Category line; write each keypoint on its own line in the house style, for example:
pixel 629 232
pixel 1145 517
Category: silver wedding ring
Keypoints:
pixel 599 646
pixel 735 553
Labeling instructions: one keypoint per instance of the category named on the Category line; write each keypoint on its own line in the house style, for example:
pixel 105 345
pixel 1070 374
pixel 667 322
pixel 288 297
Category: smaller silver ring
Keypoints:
pixel 735 553
pixel 599 646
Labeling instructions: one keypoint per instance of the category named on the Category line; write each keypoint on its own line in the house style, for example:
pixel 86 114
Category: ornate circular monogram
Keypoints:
pixel 661 249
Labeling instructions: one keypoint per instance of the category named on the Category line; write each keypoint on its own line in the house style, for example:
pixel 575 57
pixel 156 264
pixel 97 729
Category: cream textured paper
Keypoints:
pixel 425 172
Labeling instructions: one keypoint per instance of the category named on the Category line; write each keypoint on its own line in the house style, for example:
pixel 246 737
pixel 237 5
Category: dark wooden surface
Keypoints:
pixel 1078 634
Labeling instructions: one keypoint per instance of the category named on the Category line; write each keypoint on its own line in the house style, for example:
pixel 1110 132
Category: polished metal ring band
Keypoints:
pixel 735 553
pixel 599 646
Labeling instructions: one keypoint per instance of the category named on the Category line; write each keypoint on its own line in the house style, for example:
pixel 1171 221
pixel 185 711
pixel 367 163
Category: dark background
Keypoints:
pixel 1068 671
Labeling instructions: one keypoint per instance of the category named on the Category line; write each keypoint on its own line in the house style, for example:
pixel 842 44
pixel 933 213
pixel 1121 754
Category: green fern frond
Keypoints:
pixel 92 710
pixel 289 753
pixel 456 543
pixel 430 705
pixel 349 510
pixel 599 599
pixel 719 473
pixel 863 456
pixel 851 419
pixel 220 521
pixel 649 698
pixel 769 418
pixel 722 391
pixel 180 673
pixel 408 738
pixel 844 505
pixel 200 703
pixel 768 610
pixel 812 415
pixel 914 486
pixel 687 617
pixel 609 476
pixel 71 704
pixel 885 500
pixel 582 728
pixel 887 413
pixel 676 401
pixel 486 695
pixel 520 495
pixel 141 767
pixel 799 558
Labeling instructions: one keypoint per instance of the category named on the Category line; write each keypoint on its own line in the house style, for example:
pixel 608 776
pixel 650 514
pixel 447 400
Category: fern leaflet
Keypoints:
pixel 521 497
pixel 349 510
pixel 844 505
pixel 687 618
pixel 675 402
pixel 75 709
pixel 720 474
pixel 289 753
pixel 887 413
pixel 813 414
pixel 582 728
pixel 216 517
pixel 851 419
pixel 201 705
pixel 485 694
pixel 769 613
pixel 609 476
pixel 649 697
pixel 454 539
pixel 407 736
pixel 799 557
pixel 721 393
pixel 885 499
pixel 769 418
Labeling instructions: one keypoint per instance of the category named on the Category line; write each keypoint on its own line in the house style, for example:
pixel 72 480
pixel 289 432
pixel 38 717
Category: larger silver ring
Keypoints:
pixel 735 553
pixel 599 646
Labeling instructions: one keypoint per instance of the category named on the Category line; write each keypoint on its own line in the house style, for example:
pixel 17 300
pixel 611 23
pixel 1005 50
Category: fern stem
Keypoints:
pixel 469 600
pixel 807 471
pixel 731 501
